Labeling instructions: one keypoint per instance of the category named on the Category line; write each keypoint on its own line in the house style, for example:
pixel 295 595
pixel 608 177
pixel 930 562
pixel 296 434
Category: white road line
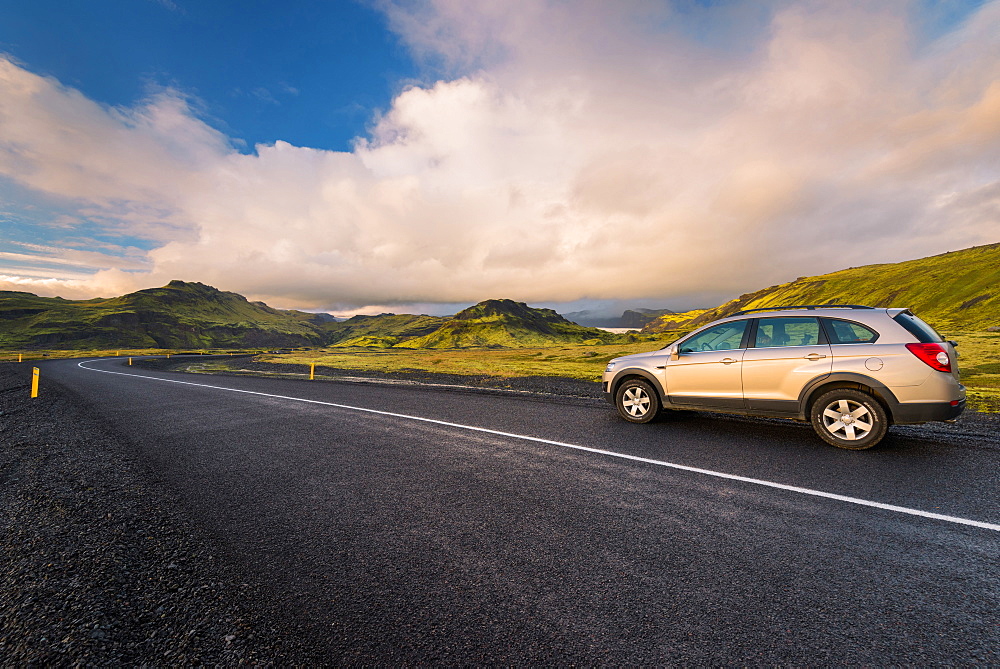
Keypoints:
pixel 598 451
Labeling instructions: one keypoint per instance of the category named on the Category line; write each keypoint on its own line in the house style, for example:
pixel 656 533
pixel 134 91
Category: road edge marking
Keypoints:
pixel 599 451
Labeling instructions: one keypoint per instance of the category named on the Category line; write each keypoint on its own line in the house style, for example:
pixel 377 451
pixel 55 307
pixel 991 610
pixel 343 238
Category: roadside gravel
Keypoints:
pixel 99 564
pixel 246 366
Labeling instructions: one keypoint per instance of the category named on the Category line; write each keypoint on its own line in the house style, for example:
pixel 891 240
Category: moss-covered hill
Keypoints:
pixel 505 323
pixel 959 290
pixel 178 315
pixel 382 331
pixel 193 315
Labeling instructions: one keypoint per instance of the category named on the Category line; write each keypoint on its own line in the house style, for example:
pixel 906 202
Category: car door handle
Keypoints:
pixel 728 361
pixel 814 357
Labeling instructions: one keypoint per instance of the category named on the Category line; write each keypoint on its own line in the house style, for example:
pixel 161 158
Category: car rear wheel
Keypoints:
pixel 849 419
pixel 636 401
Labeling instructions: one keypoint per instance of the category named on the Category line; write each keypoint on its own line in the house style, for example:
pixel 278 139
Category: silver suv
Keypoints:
pixel 849 370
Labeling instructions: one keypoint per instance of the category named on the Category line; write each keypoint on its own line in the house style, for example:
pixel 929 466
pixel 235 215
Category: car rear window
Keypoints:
pixel 924 333
pixel 848 332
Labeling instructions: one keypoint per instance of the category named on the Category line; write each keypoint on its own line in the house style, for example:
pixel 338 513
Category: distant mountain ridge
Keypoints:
pixel 193 315
pixel 630 318
pixel 958 290
pixel 505 323
pixel 383 330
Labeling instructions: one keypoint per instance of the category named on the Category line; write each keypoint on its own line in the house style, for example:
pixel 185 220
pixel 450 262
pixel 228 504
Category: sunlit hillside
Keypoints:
pixel 178 315
pixel 959 290
pixel 505 323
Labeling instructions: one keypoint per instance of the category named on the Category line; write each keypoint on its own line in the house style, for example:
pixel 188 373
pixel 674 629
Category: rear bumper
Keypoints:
pixel 924 412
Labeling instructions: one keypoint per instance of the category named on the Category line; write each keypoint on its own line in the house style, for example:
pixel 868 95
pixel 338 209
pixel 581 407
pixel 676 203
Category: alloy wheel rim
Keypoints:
pixel 848 420
pixel 636 402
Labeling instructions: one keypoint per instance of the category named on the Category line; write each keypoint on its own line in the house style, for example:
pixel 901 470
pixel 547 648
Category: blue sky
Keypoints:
pixel 308 73
pixel 423 155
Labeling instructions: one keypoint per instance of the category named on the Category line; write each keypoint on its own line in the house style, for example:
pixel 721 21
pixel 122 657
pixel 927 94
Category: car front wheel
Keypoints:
pixel 636 401
pixel 849 419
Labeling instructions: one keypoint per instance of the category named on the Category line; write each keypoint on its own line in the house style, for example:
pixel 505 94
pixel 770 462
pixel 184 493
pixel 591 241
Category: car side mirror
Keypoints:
pixel 675 353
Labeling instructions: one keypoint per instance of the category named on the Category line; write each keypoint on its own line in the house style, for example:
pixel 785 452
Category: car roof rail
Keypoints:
pixel 804 306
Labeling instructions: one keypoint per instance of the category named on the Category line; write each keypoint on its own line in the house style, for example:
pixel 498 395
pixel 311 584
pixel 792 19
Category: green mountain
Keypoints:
pixel 193 315
pixel 383 331
pixel 493 323
pixel 508 324
pixel 178 315
pixel 956 291
pixel 959 290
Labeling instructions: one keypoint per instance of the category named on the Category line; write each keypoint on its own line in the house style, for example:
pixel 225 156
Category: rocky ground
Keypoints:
pixel 98 563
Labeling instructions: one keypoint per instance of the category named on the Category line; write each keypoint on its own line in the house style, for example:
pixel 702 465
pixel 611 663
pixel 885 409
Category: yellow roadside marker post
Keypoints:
pixel 168 356
pixel 312 371
pixel 130 361
pixel 34 382
pixel 19 357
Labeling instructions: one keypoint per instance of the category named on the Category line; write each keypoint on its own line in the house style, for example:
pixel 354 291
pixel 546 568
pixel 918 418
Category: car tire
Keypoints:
pixel 637 401
pixel 848 418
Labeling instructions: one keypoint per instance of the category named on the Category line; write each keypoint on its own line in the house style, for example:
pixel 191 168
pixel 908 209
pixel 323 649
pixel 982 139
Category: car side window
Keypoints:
pixel 718 338
pixel 846 332
pixel 787 332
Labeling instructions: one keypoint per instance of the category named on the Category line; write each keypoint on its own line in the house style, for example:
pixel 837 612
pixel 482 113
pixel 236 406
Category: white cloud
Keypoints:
pixel 596 150
pixel 70 285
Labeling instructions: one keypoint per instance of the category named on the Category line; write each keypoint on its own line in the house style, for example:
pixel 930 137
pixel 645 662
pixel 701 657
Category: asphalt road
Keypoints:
pixel 381 538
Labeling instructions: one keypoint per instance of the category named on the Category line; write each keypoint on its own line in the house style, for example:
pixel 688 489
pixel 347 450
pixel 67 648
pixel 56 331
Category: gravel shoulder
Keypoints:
pixel 99 563
pixel 246 366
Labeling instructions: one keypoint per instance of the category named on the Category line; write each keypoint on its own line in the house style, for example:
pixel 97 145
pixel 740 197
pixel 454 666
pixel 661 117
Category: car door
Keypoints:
pixel 786 353
pixel 706 372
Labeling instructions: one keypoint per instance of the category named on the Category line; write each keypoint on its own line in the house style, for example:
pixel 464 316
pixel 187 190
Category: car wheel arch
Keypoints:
pixel 865 384
pixel 637 373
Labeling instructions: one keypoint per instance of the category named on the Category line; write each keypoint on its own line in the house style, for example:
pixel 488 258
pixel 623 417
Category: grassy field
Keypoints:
pixel 577 361
pixel 979 360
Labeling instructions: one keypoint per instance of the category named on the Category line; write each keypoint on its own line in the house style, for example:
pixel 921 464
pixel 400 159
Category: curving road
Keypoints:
pixel 400 523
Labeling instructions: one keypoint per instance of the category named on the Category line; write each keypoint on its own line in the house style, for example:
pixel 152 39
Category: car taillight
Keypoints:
pixel 934 355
